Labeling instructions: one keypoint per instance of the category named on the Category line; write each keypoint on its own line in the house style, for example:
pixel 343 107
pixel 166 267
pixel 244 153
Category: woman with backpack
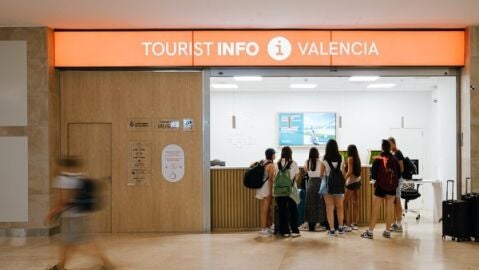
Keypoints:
pixel 332 185
pixel 287 174
pixel 314 208
pixel 353 184
pixel 386 172
pixel 264 193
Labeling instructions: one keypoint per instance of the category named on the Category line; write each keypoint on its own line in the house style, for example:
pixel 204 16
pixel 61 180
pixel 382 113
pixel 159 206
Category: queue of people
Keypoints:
pixel 333 184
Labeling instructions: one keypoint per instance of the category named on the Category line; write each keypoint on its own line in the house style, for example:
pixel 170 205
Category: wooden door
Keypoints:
pixel 92 143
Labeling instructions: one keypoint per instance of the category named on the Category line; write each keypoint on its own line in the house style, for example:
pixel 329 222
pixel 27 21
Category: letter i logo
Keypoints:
pixel 279 48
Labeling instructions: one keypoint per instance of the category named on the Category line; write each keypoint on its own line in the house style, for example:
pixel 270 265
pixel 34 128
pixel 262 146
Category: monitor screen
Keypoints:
pixel 306 129
pixel 372 155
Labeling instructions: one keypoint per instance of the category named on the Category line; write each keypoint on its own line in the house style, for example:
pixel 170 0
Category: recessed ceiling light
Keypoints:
pixel 303 85
pixel 248 78
pixel 363 78
pixel 381 85
pixel 224 86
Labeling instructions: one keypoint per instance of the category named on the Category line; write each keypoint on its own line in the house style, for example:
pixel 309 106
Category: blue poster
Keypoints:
pixel 298 129
pixel 291 129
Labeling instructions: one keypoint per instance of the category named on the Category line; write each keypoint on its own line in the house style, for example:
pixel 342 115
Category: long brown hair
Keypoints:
pixel 353 152
pixel 313 157
pixel 287 154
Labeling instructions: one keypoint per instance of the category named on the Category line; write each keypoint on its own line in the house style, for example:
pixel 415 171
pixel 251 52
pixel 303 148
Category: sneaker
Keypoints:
pixel 387 234
pixel 367 234
pixel 265 232
pixel 347 228
pixel 331 233
pixel 286 235
pixel 304 227
pixel 354 227
pixel 341 230
pixel 294 235
pixel 396 228
pixel 271 230
pixel 320 228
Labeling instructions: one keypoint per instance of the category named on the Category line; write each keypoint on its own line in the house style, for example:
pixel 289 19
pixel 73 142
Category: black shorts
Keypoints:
pixel 379 192
pixel 354 186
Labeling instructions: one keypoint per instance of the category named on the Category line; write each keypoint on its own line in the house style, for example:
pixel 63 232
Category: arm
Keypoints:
pixel 401 166
pixel 65 196
pixel 322 169
pixel 349 173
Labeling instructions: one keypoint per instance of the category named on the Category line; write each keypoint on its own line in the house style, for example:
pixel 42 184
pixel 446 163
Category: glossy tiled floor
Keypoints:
pixel 420 247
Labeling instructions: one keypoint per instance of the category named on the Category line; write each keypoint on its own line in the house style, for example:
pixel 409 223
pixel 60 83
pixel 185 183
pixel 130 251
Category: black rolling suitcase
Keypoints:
pixel 456 219
pixel 473 200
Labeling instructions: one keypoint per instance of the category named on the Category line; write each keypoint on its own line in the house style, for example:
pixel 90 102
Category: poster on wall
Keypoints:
pixel 173 163
pixel 303 129
pixel 139 163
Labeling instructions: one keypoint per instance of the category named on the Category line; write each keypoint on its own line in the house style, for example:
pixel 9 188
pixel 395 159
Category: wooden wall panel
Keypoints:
pixel 117 96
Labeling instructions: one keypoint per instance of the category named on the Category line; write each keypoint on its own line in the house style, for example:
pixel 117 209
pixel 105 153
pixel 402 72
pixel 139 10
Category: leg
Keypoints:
pixel 338 203
pixel 265 202
pixel 375 212
pixel 398 210
pixel 347 209
pixel 269 220
pixel 389 211
pixel 293 211
pixel 283 218
pixel 355 204
pixel 64 251
pixel 328 199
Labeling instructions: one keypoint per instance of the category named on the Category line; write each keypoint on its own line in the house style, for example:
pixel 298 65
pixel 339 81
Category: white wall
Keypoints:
pixel 13 83
pixel 13 179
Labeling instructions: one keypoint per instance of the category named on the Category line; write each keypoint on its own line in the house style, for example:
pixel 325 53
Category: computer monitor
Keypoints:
pixel 416 163
pixel 373 154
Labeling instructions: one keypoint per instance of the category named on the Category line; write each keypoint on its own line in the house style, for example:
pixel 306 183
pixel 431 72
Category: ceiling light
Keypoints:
pixel 363 78
pixel 224 86
pixel 303 85
pixel 381 85
pixel 248 78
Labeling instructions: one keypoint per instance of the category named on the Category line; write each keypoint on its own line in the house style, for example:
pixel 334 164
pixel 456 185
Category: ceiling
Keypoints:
pixel 331 84
pixel 194 14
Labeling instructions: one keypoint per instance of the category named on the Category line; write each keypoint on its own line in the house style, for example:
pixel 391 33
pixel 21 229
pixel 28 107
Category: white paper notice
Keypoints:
pixel 173 163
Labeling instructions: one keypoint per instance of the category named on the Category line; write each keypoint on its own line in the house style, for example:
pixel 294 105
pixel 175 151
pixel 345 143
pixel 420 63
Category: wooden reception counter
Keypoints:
pixel 235 208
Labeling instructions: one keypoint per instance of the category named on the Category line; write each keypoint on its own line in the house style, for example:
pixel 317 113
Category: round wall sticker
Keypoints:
pixel 173 163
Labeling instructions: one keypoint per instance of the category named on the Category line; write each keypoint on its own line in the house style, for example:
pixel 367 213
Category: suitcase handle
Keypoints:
pixel 447 189
pixel 468 179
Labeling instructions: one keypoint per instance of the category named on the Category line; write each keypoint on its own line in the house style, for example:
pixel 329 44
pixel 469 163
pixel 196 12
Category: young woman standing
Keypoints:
pixel 334 199
pixel 265 192
pixel 314 209
pixel 288 226
pixel 353 184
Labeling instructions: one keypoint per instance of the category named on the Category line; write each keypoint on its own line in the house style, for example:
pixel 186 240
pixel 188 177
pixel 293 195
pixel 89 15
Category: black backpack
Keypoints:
pixel 86 198
pixel 253 177
pixel 409 169
pixel 336 181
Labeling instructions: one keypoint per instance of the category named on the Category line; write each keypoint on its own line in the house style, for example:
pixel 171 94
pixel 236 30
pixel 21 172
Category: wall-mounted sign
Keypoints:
pixel 168 124
pixel 259 48
pixel 140 124
pixel 188 124
pixel 173 163
pixel 139 163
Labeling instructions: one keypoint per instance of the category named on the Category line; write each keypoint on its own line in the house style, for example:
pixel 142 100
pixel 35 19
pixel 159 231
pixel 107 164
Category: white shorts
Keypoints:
pixel 263 192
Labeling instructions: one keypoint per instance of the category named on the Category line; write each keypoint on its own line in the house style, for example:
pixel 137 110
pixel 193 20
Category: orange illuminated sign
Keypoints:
pixel 259 48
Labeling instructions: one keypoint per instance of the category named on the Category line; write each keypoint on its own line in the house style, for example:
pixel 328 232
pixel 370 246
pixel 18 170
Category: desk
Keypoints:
pixel 437 190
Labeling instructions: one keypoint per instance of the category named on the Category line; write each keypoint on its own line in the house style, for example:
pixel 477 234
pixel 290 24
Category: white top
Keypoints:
pixel 293 170
pixel 70 181
pixel 315 173
pixel 335 165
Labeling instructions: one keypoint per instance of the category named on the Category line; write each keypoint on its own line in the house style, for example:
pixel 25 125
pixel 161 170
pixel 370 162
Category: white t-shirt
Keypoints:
pixel 315 173
pixel 70 181
pixel 335 165
pixel 293 170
